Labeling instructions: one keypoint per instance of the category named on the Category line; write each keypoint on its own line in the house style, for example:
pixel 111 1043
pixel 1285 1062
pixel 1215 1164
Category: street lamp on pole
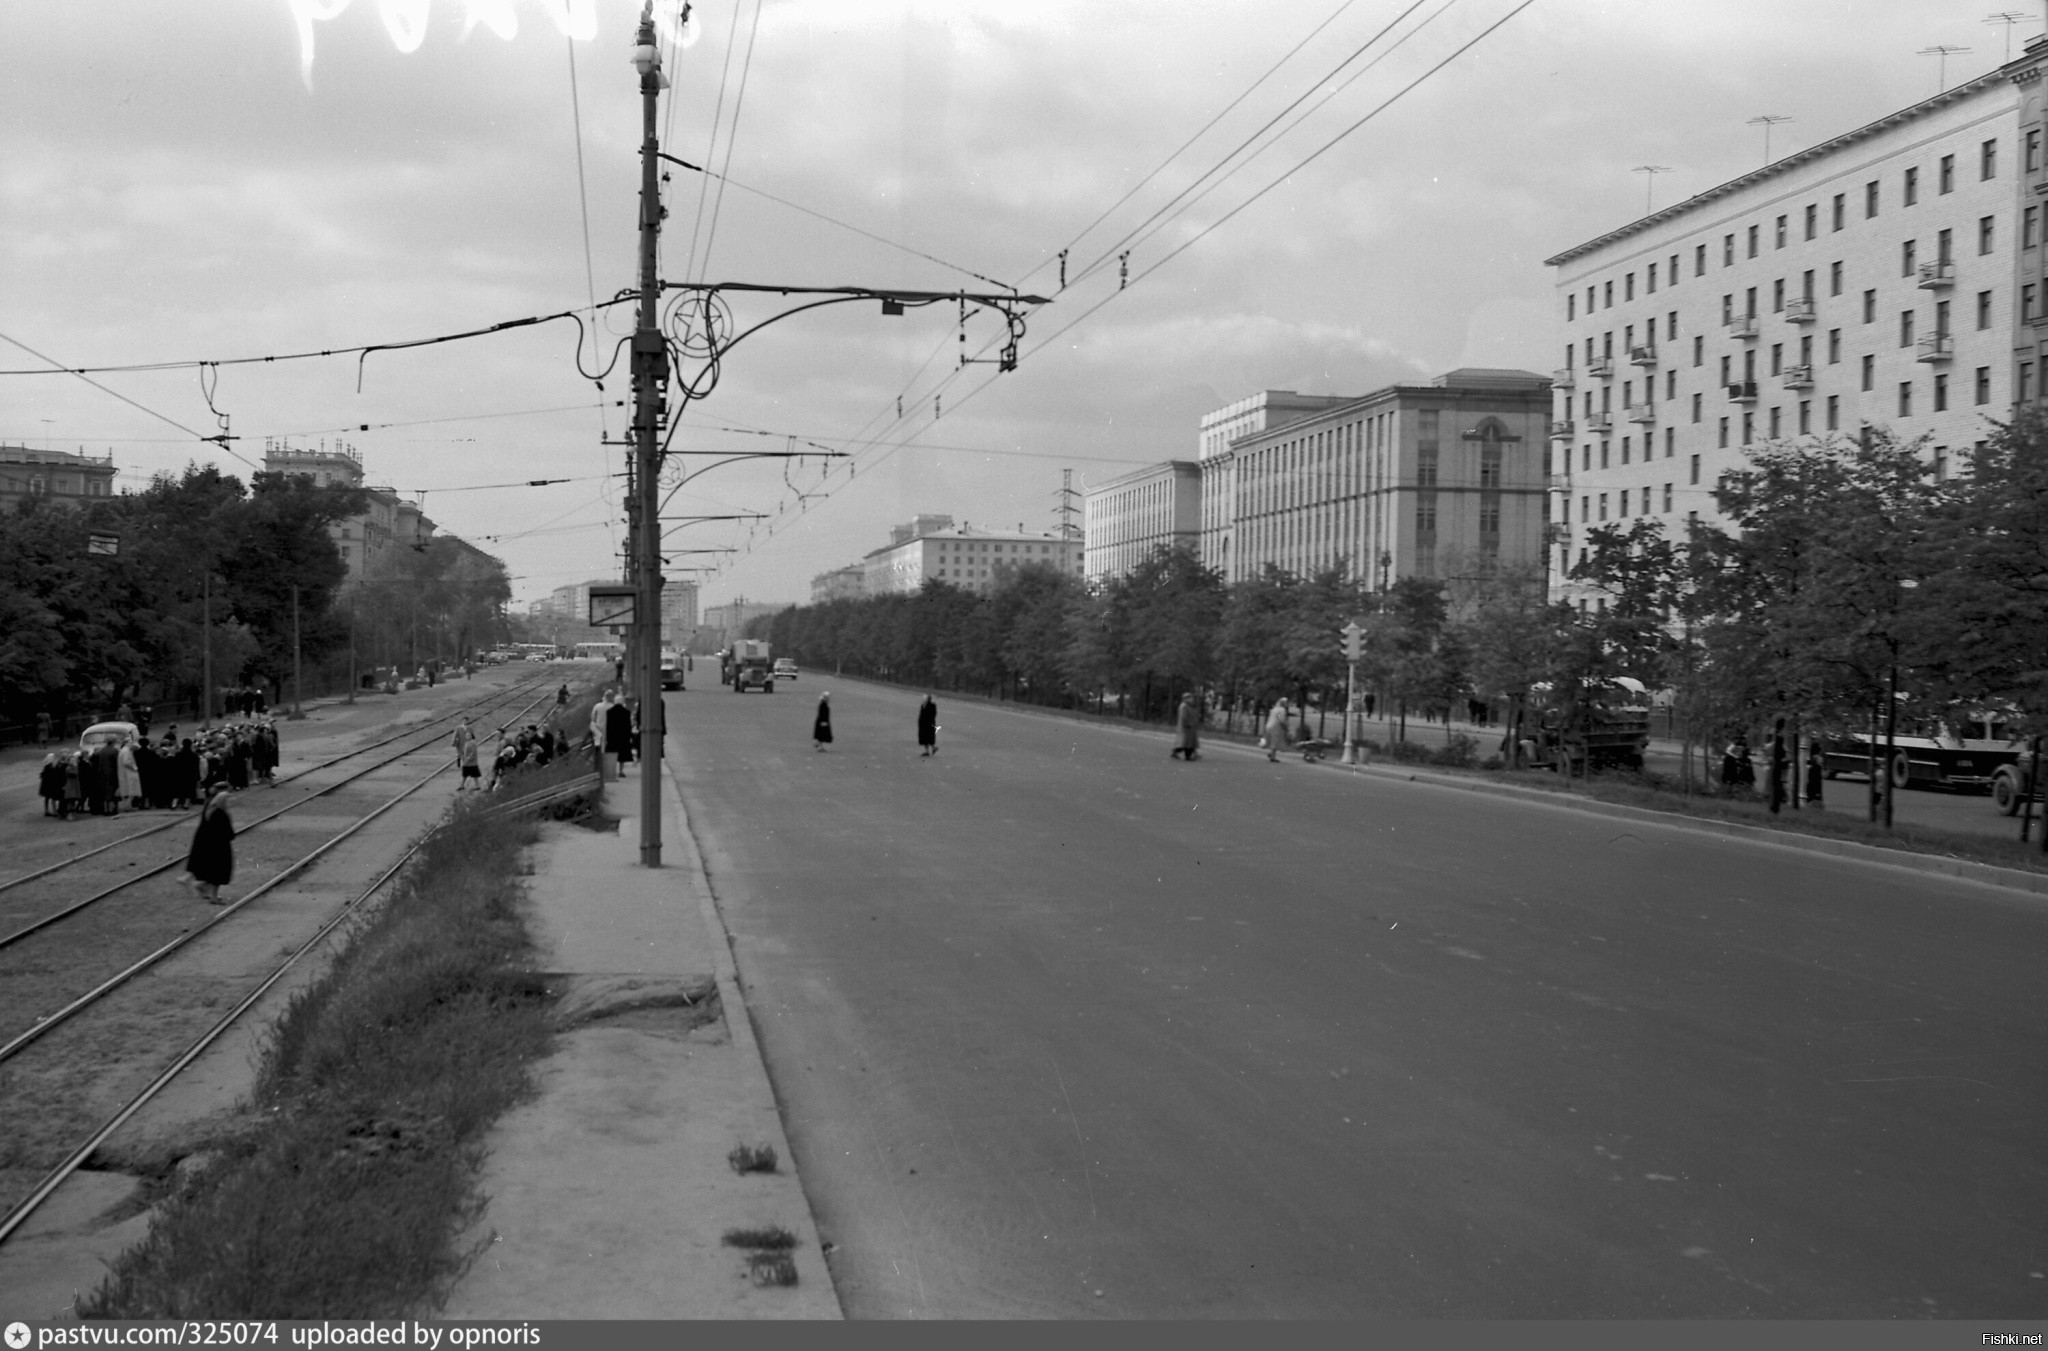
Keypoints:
pixel 650 382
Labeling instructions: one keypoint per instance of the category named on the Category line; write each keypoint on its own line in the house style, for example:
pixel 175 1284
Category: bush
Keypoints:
pixel 1459 752
pixel 1410 753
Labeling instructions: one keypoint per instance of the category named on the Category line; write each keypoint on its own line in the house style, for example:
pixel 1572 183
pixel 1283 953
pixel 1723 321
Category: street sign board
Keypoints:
pixel 611 606
pixel 107 545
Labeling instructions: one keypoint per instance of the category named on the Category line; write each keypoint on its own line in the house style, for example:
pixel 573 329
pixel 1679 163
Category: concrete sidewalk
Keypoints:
pixel 610 1193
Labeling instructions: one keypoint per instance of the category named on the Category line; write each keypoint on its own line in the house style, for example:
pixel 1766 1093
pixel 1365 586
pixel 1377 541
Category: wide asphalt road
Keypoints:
pixel 1063 1029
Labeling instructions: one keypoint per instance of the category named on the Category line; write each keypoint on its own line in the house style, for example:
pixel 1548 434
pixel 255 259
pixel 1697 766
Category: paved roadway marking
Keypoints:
pixel 1064 1028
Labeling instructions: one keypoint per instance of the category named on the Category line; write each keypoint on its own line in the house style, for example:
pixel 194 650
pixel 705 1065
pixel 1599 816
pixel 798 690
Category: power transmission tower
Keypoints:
pixel 1067 508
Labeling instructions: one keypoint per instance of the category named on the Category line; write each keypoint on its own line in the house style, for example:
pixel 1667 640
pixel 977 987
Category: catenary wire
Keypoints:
pixel 60 367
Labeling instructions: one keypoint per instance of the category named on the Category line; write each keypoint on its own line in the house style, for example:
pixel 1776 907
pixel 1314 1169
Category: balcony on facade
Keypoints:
pixel 1563 431
pixel 1799 377
pixel 1645 355
pixel 1937 276
pixel 1799 310
pixel 1937 347
pixel 1743 391
pixel 1563 378
pixel 1640 412
pixel 1600 368
pixel 1598 422
pixel 1742 326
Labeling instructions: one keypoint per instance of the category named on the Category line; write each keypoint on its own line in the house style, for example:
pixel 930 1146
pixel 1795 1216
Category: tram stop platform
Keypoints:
pixel 611 1193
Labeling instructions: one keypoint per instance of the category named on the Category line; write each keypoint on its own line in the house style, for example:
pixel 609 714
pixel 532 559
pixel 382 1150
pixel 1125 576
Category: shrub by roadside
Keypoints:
pixel 342 1196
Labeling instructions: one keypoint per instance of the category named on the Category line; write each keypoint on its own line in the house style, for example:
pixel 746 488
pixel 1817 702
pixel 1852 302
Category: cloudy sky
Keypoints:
pixel 177 184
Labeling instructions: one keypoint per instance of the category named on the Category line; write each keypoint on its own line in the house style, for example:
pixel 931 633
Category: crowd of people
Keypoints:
pixel 171 773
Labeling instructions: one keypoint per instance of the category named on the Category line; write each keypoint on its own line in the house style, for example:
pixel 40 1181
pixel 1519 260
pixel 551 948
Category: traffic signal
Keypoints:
pixel 1354 642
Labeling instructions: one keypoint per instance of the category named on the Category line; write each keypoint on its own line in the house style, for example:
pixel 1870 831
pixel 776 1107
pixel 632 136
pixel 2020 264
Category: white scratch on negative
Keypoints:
pixel 1087 1173
pixel 916 1267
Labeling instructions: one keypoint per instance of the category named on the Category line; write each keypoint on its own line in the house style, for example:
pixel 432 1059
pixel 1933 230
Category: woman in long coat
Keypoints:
pixel 50 782
pixel 1276 737
pixel 928 726
pixel 821 726
pixel 211 863
pixel 1188 729
pixel 128 774
pixel 618 731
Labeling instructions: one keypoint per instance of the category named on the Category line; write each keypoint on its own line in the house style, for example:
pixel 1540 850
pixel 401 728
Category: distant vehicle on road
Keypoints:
pixel 671 669
pixel 1966 754
pixel 116 732
pixel 1606 727
pixel 750 667
pixel 785 668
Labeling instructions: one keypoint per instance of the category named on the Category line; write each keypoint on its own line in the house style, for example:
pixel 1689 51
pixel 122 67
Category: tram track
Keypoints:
pixel 22 931
pixel 413 729
pixel 165 1068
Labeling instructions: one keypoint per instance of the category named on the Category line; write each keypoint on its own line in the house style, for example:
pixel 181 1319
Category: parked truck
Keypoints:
pixel 1603 726
pixel 751 667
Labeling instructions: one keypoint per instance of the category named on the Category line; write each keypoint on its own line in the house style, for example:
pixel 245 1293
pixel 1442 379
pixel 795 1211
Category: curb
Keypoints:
pixel 739 1018
pixel 1955 869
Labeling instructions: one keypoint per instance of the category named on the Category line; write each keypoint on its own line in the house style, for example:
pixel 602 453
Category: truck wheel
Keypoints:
pixel 2005 794
pixel 1902 772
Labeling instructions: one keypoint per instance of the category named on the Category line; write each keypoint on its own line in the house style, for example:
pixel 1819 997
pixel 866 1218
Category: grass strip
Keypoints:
pixel 341 1193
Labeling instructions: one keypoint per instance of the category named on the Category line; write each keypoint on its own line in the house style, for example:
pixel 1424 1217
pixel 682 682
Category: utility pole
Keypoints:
pixel 298 663
pixel 650 379
pixel 206 649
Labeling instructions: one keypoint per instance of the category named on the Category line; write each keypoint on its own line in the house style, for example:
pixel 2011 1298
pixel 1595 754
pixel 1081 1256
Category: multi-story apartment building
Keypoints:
pixel 56 476
pixel 1124 520
pixel 386 520
pixel 1257 413
pixel 678 612
pixel 1891 277
pixel 1439 480
pixel 847 583
pixel 932 548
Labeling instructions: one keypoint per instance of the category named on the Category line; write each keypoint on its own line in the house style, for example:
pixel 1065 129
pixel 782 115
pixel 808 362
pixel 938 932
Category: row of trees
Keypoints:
pixel 82 632
pixel 1849 571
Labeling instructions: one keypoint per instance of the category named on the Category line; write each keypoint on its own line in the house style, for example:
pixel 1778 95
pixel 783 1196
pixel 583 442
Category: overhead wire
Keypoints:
pixel 80 373
pixel 711 143
pixel 1304 162
pixel 731 137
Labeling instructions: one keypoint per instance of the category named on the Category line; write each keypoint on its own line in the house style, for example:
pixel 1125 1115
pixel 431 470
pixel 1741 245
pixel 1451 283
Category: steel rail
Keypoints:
pixel 16 1217
pixel 37 926
pixel 62 864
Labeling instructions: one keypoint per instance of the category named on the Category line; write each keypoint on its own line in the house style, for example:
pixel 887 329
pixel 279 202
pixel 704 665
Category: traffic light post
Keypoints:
pixel 1354 652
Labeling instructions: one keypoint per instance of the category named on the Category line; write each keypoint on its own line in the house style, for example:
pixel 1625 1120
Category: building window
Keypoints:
pixel 1912 186
pixel 1671 326
pixel 2027 303
pixel 1650 280
pixel 1489 466
pixel 1603 506
pixel 1699 260
pixel 1670 442
pixel 1699 350
pixel 1985 228
pixel 1834 346
pixel 1940 392
pixel 1674 269
pixel 1727 250
pixel 2030 227
pixel 1628 286
pixel 1941 464
pixel 1806 284
pixel 1870 307
pixel 1728 308
pixel 1870 199
pixel 1812 221
pixel 1727 373
pixel 1695 470
pixel 1778 296
pixel 1908 261
pixel 1667 499
pixel 1805 417
pixel 2033 150
pixel 1755 232
pixel 1623 512
pixel 1723 440
pixel 1775 424
pixel 1869 372
pixel 1671 384
pixel 1983 384
pixel 1841 210
pixel 1695 408
pixel 1987 159
pixel 1983 309
pixel 1905 328
pixel 1607 295
pixel 1425 468
pixel 1777 358
pixel 1748 428
pixel 1947 176
pixel 2026 389
pixel 1605 448
pixel 1905 398
pixel 1571 307
pixel 1778 235
pixel 1834 411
